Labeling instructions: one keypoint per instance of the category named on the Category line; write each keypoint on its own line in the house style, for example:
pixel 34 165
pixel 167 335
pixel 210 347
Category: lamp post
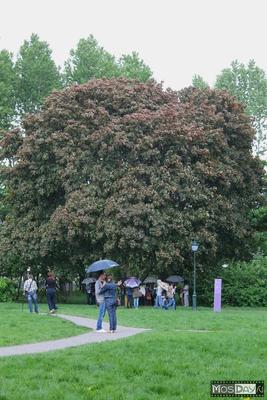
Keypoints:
pixel 194 250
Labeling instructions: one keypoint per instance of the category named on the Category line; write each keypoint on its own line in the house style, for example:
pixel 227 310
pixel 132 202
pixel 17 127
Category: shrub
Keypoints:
pixel 7 290
pixel 244 284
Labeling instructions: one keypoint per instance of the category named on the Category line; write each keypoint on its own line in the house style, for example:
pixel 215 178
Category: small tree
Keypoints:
pixel 36 75
pixel 7 95
pixel 199 83
pixel 88 61
pixel 133 67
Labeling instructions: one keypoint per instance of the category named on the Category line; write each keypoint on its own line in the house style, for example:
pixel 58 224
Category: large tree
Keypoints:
pixel 249 84
pixel 116 168
pixel 36 75
pixel 7 95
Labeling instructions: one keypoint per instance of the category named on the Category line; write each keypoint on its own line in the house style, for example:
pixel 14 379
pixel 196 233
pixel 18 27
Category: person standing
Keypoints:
pixel 186 294
pixel 100 301
pixel 109 290
pixel 158 301
pixel 30 290
pixel 89 294
pixel 51 292
pixel 181 295
pixel 170 298
pixel 136 295
pixel 129 292
pixel 148 296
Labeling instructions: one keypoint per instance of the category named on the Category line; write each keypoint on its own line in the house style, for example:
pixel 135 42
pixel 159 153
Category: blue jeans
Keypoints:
pixel 101 314
pixel 51 298
pixel 32 298
pixel 158 302
pixel 111 309
pixel 136 302
pixel 171 303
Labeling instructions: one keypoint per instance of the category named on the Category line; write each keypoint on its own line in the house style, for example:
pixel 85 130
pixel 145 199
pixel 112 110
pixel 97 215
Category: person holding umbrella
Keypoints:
pixel 100 300
pixel 109 290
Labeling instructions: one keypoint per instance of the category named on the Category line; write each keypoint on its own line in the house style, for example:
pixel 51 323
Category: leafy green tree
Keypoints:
pixel 249 84
pixel 89 60
pixel 123 169
pixel 133 67
pixel 37 75
pixel 199 83
pixel 7 95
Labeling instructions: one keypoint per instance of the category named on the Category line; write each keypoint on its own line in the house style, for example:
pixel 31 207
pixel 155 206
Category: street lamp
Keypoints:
pixel 194 250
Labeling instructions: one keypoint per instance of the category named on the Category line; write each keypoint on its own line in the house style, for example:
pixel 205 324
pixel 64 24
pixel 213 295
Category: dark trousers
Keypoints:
pixel 51 298
pixel 130 301
pixel 111 309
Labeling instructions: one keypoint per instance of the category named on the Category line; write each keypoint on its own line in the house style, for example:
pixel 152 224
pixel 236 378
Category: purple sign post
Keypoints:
pixel 217 295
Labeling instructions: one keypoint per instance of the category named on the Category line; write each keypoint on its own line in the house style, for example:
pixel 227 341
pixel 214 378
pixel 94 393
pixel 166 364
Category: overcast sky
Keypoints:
pixel 176 38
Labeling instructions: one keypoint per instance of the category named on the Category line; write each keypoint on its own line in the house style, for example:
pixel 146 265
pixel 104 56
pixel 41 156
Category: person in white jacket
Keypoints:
pixel 30 291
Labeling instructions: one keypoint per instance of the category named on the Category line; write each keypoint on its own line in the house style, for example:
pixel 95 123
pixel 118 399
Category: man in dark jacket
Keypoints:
pixel 109 290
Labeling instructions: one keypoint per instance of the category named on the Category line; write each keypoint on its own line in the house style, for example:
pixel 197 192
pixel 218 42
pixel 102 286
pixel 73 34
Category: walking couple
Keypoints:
pixel 106 297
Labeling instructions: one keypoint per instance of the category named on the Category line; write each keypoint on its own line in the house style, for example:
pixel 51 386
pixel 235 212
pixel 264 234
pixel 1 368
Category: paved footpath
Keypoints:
pixel 86 338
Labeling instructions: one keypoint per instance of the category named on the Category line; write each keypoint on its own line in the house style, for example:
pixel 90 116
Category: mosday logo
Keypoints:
pixel 245 388
pixel 237 388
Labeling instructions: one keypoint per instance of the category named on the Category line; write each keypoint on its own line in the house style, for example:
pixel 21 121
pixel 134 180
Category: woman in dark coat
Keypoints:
pixel 51 292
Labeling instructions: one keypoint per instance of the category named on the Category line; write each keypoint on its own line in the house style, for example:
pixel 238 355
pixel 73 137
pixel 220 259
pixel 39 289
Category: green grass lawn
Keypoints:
pixel 159 364
pixel 18 326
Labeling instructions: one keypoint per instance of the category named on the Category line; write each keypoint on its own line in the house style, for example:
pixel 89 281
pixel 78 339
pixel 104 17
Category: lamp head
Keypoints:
pixel 194 246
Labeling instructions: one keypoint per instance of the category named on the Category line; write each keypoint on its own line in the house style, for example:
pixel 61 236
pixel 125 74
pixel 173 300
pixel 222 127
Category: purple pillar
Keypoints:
pixel 217 295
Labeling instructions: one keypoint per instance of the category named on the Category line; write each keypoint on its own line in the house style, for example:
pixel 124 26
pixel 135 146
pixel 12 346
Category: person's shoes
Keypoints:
pixel 52 311
pixel 101 330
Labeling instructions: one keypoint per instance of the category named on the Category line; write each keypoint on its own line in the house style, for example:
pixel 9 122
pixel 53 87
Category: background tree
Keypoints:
pixel 249 85
pixel 36 73
pixel 199 83
pixel 123 169
pixel 89 60
pixel 133 67
pixel 7 95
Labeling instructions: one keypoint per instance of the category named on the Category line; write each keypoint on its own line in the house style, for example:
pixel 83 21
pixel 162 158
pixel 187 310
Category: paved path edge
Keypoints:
pixel 73 341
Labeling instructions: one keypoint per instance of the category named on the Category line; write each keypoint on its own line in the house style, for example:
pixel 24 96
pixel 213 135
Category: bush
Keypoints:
pixel 244 284
pixel 7 290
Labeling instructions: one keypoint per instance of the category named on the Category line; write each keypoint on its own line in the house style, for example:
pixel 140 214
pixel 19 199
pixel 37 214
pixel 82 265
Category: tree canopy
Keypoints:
pixel 89 60
pixel 132 67
pixel 199 83
pixel 7 92
pixel 36 74
pixel 249 84
pixel 122 169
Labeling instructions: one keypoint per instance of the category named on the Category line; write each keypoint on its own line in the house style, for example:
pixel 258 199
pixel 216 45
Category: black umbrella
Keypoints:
pixel 151 279
pixel 175 279
pixel 87 281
